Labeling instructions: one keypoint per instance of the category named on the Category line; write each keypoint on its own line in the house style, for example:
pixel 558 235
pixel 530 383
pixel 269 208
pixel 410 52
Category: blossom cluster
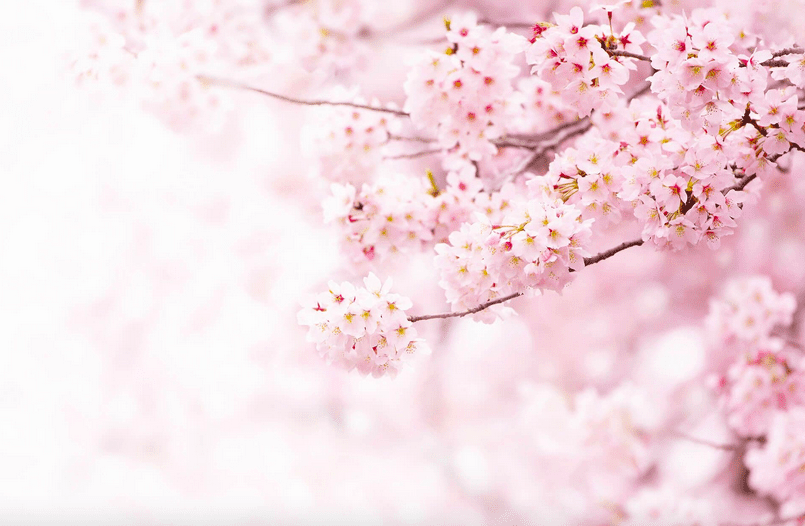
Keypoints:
pixel 399 214
pixel 363 328
pixel 778 467
pixel 536 246
pixel 347 142
pixel 463 94
pixel 600 443
pixel 578 62
pixel 763 391
pixel 748 310
pixel 713 83
pixel 393 215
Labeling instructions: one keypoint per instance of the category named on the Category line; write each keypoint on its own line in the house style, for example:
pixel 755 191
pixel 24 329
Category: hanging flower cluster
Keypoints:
pixel 463 94
pixel 536 247
pixel 363 328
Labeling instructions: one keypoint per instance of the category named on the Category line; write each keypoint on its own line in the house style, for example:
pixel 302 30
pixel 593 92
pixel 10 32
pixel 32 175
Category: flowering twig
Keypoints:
pixel 473 310
pixel 237 85
pixel 483 306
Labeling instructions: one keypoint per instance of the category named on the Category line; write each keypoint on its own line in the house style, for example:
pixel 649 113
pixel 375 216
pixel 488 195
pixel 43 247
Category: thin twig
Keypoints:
pixel 237 85
pixel 612 251
pixel 473 310
pixel 726 447
pixel 412 139
pixel 510 25
pixel 618 53
pixel 483 306
pixel 541 136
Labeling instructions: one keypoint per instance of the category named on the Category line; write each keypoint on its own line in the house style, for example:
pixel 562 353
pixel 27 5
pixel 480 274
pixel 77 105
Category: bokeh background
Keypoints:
pixel 153 370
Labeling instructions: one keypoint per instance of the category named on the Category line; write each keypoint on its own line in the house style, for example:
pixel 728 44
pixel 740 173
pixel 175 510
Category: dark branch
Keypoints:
pixel 473 310
pixel 483 306
pixel 612 251
pixel 628 54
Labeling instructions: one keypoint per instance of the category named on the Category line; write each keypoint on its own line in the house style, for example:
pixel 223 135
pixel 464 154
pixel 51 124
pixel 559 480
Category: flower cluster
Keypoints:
pixel 347 143
pixel 777 468
pixel 363 328
pixel 770 379
pixel 763 391
pixel 543 107
pixel 588 176
pixel 680 184
pixel 392 215
pixel 697 72
pixel 577 60
pixel 535 247
pixel 767 376
pixel 324 35
pixel 157 51
pixel 616 429
pixel 463 94
pixel 748 310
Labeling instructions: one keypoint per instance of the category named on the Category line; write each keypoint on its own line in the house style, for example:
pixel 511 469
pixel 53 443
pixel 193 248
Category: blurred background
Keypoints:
pixel 152 261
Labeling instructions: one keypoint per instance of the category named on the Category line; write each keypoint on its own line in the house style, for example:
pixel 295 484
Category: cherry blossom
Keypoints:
pixel 363 328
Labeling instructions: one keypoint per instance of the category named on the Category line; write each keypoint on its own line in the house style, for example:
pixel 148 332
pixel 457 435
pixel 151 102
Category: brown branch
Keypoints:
pixel 796 50
pixel 479 308
pixel 285 98
pixel 627 54
pixel 642 91
pixel 774 63
pixel 740 186
pixel 541 136
pixel 611 252
pixel 483 306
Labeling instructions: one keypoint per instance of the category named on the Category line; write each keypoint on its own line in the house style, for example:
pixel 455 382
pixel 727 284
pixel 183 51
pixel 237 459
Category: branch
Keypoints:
pixel 726 447
pixel 479 308
pixel 773 522
pixel 549 133
pixel 483 306
pixel 796 50
pixel 642 91
pixel 627 54
pixel 740 186
pixel 413 155
pixel 412 139
pixel 510 25
pixel 232 84
pixel 611 252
